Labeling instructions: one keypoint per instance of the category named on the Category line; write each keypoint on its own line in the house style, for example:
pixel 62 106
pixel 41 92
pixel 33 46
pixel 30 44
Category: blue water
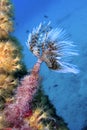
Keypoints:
pixel 70 94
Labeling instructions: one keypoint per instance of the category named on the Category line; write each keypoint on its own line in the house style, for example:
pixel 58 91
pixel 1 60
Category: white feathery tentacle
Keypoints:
pixel 51 44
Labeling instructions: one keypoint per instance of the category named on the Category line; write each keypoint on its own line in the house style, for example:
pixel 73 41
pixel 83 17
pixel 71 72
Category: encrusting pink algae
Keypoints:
pixel 16 111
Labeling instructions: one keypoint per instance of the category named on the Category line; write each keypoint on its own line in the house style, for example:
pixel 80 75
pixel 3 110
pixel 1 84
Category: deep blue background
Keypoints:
pixel 70 95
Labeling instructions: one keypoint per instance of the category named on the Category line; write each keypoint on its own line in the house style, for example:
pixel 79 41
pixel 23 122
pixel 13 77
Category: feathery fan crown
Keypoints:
pixel 49 45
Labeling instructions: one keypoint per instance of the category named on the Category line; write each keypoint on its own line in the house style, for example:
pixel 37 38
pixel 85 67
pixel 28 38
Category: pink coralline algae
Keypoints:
pixel 16 111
